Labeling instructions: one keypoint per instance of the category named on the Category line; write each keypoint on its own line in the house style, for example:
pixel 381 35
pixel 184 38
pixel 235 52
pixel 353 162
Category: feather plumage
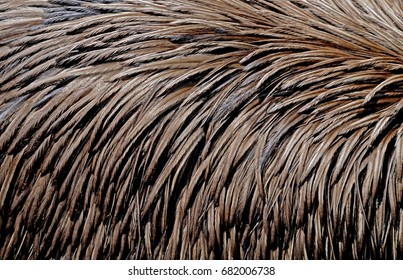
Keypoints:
pixel 201 129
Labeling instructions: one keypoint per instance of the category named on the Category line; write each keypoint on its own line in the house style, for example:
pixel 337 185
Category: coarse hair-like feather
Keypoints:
pixel 200 129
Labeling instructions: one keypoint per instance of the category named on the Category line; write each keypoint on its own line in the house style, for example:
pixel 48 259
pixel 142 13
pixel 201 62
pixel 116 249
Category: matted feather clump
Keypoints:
pixel 201 129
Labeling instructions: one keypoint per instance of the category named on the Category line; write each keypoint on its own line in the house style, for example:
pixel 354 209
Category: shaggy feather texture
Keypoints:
pixel 201 129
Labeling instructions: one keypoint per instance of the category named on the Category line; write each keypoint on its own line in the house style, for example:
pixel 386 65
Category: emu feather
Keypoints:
pixel 198 129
